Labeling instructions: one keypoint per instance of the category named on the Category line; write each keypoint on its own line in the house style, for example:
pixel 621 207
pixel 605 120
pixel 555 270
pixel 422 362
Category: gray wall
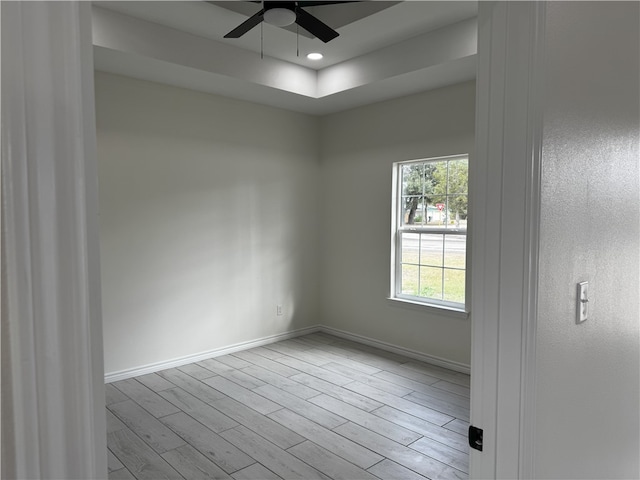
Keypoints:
pixel 215 210
pixel 359 147
pixel 587 414
pixel 208 213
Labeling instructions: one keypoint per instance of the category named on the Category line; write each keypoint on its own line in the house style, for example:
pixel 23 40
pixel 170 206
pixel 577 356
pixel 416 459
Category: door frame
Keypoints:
pixel 505 243
pixel 53 416
pixel 505 189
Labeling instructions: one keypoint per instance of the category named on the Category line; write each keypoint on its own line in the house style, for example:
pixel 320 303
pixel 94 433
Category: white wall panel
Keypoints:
pixel 359 147
pixel 588 391
pixel 209 219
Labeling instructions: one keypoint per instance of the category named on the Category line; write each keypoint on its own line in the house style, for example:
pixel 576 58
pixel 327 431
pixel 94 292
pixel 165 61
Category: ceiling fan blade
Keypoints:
pixel 319 4
pixel 247 25
pixel 314 26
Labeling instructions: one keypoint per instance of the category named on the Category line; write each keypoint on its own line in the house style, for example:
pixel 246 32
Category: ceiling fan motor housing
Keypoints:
pixel 279 14
pixel 285 13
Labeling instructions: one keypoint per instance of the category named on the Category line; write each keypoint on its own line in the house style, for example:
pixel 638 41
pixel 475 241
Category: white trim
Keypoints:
pixel 506 189
pixel 216 352
pixel 398 228
pixel 426 307
pixel 532 245
pixel 423 357
pixel 432 302
pixel 456 156
pixel 178 362
pixel 94 339
pixel 485 227
pixel 53 402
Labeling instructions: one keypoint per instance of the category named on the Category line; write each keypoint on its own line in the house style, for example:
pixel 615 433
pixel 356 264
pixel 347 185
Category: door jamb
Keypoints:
pixel 505 189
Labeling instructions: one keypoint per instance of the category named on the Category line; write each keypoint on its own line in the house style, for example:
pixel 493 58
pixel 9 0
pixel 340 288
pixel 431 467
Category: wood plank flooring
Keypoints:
pixel 314 407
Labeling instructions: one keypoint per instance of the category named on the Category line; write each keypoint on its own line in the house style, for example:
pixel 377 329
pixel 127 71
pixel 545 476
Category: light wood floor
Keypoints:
pixel 315 407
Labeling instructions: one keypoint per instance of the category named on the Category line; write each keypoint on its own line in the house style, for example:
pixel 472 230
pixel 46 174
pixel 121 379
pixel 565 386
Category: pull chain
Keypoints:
pixel 262 35
pixel 297 41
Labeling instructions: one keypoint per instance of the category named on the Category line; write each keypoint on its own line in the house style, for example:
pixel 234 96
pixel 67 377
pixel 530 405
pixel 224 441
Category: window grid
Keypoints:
pixel 421 265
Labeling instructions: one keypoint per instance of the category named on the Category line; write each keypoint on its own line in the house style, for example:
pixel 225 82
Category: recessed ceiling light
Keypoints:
pixel 314 56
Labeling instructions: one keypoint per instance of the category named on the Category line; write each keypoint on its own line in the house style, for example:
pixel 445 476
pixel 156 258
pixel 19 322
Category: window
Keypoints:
pixel 430 231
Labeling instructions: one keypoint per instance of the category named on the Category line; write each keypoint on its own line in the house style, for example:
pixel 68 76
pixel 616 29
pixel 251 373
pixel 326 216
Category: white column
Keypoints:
pixel 53 419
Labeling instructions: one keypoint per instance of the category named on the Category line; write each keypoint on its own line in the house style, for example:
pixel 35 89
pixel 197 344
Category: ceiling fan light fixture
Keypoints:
pixel 315 56
pixel 280 17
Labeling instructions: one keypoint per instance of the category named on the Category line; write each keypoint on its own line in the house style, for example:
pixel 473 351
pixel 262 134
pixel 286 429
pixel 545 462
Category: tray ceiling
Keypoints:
pixel 385 50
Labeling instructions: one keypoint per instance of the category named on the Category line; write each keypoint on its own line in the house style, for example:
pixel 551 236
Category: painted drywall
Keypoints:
pixel 359 147
pixel 587 417
pixel 208 217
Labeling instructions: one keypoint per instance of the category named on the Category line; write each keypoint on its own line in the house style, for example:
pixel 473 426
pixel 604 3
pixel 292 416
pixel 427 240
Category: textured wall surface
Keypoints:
pixel 587 416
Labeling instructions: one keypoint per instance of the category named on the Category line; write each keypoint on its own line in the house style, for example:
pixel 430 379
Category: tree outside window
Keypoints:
pixel 431 208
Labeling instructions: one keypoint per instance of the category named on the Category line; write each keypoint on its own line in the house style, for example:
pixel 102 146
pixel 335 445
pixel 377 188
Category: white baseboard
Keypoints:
pixel 178 362
pixel 430 359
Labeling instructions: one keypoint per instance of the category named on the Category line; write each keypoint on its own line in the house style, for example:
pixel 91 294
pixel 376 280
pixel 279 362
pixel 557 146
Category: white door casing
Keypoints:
pixel 52 374
pixel 505 193
pixel 50 217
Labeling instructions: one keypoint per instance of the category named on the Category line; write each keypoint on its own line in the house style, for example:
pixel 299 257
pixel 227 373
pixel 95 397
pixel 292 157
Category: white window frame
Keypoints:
pixel 396 244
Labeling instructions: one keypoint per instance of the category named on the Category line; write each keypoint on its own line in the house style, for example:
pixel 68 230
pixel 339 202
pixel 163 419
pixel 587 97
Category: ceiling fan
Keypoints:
pixel 282 14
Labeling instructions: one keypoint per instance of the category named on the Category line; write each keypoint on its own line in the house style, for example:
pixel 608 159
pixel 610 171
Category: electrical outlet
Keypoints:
pixel 279 310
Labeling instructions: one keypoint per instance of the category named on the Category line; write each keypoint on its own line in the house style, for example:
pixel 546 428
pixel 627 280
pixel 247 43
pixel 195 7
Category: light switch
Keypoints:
pixel 582 302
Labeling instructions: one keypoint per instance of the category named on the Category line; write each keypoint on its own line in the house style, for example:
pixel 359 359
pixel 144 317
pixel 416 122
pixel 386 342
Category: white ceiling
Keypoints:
pixel 410 46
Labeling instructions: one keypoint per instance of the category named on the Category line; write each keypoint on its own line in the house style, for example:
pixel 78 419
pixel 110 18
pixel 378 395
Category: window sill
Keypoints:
pixel 430 308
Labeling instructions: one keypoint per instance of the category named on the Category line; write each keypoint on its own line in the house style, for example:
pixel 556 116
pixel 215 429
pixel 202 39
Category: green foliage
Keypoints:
pixel 428 283
pixel 417 188
pixel 428 271
pixel 451 179
pixel 430 183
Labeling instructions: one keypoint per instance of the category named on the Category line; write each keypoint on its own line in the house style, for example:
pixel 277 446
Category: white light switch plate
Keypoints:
pixel 582 302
